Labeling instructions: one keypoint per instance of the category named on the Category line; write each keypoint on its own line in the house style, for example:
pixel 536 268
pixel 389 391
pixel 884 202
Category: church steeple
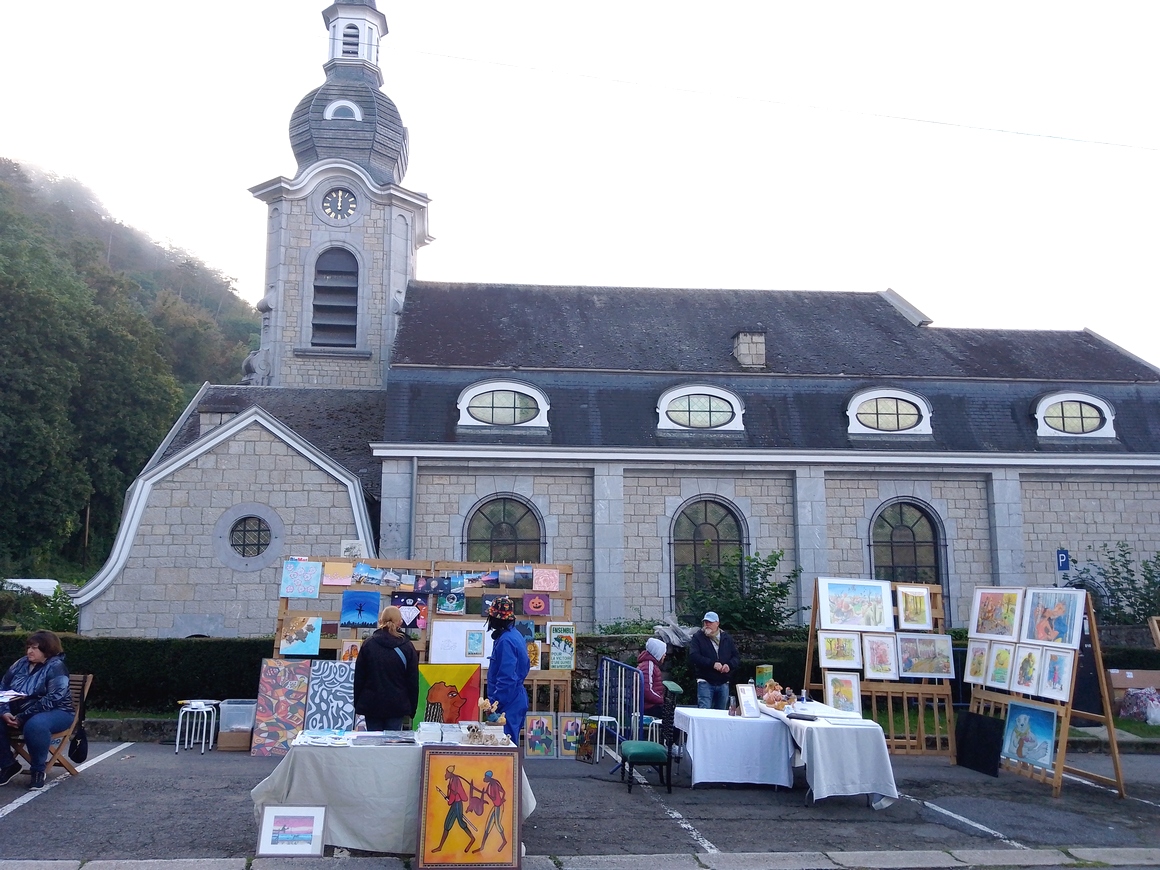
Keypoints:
pixel 356 27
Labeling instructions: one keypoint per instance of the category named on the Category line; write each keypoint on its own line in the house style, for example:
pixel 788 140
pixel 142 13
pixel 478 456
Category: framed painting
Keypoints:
pixel 879 656
pixel 300 636
pixel 976 661
pixel 349 651
pixel 914 608
pixel 291 831
pixel 1027 669
pixel 589 737
pixel 999 665
pixel 843 691
pixel 569 727
pixel 561 646
pixel 747 700
pixel 1053 616
pixel 281 710
pixel 469 807
pixel 995 613
pixel 839 649
pixel 1057 670
pixel 448 693
pixel 458 642
pixel 540 735
pixel 855 604
pixel 473 643
pixel 360 608
pixel 1029 736
pixel 925 655
pixel 301 578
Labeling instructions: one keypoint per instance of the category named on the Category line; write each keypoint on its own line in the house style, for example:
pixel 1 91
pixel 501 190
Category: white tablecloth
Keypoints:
pixel 726 748
pixel 371 793
pixel 842 752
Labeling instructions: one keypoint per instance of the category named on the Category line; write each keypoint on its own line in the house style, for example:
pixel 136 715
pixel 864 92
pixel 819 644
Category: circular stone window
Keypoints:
pixel 250 536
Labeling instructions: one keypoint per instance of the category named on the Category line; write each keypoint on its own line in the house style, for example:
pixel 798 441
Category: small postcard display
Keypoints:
pixel 469 807
pixel 1023 653
pixel 883 641
pixel 291 831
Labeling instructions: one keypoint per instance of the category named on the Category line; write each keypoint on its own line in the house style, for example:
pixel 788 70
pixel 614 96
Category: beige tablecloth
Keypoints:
pixel 726 748
pixel 371 793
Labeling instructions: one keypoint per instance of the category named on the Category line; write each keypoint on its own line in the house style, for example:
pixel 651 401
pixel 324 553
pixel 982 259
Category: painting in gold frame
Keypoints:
pixel 469 807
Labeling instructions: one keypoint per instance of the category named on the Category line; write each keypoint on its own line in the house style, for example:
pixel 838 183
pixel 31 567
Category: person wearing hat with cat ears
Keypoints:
pixel 714 657
pixel 508 666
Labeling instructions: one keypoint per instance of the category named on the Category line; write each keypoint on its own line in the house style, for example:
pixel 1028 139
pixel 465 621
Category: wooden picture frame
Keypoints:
pixel 843 691
pixel 747 700
pixel 879 656
pixel 1000 662
pixel 1056 677
pixel 995 613
pixel 839 649
pixel 863 605
pixel 914 612
pixel 925 655
pixel 1029 735
pixel 569 731
pixel 454 785
pixel 1053 616
pixel 1027 668
pixel 291 831
pixel 976 667
pixel 540 735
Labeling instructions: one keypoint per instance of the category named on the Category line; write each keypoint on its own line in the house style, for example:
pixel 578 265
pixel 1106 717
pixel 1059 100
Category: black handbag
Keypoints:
pixel 78 746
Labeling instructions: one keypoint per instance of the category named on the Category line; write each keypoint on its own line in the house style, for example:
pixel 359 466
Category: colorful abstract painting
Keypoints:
pixel 540 735
pixel 300 636
pixel 448 693
pixel 330 698
pixel 281 711
pixel 300 579
pixel 546 579
pixel 570 726
pixel 360 608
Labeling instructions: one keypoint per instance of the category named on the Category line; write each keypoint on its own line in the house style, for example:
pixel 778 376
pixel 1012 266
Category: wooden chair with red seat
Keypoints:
pixel 78 686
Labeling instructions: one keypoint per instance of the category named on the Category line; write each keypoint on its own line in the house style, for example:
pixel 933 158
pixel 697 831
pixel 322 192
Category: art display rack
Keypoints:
pixel 994 702
pixel 901 707
pixel 551 691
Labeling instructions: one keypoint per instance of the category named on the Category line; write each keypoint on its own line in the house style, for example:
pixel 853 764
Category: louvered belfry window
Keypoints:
pixel 350 41
pixel 335 316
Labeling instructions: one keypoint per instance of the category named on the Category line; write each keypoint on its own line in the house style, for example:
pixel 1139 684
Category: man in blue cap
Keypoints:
pixel 714 657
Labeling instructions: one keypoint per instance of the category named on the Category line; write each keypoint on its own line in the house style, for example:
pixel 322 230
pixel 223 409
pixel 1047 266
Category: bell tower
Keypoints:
pixel 342 234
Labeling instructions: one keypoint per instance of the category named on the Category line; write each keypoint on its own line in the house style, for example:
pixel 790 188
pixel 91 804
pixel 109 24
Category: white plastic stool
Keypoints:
pixel 200 720
pixel 601 728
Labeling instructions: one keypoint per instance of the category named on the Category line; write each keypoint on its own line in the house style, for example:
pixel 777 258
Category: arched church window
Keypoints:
pixel 707 539
pixel 350 41
pixel 905 546
pixel 504 530
pixel 335 315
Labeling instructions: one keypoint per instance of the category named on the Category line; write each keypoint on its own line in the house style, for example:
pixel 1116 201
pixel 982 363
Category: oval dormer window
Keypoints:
pixel 1073 417
pixel 503 408
pixel 699 411
pixel 889 414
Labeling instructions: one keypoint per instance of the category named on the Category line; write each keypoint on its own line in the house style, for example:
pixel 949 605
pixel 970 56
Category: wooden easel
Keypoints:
pixel 907 701
pixel 992 702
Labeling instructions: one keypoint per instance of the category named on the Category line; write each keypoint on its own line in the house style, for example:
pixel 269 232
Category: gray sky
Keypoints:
pixel 997 164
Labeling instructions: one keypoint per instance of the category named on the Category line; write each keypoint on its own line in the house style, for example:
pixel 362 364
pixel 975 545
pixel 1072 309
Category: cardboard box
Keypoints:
pixel 234 741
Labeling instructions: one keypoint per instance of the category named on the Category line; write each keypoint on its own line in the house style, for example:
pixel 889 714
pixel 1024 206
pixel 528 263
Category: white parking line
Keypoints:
pixel 976 825
pixel 674 815
pixel 1071 778
pixel 31 795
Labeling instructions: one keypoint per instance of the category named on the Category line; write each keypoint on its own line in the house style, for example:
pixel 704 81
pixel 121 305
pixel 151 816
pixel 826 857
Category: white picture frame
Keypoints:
pixel 913 605
pixel 976 667
pixel 927 656
pixel 843 691
pixel 1000 662
pixel 1057 673
pixel 854 605
pixel 747 701
pixel 995 612
pixel 1027 668
pixel 879 656
pixel 1053 616
pixel 839 649
pixel 447 641
pixel 291 831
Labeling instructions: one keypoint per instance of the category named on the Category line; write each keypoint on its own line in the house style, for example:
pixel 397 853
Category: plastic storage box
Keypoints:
pixel 237 723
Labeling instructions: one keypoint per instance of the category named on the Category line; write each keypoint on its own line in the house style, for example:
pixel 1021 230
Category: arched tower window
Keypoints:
pixel 904 545
pixel 504 530
pixel 707 536
pixel 335 316
pixel 350 41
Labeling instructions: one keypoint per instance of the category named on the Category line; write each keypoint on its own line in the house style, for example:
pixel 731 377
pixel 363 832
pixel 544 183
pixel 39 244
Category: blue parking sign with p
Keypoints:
pixel 1062 560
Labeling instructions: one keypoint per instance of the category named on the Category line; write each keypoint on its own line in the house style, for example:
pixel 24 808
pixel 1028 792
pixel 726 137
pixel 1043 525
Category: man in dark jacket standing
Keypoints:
pixel 714 657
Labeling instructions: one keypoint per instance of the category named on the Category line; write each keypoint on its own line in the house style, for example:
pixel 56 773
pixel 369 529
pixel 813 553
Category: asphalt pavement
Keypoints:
pixel 141 806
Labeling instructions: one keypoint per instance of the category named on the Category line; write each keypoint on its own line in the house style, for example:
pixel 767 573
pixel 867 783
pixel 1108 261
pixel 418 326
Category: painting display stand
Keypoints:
pixel 901 708
pixel 994 702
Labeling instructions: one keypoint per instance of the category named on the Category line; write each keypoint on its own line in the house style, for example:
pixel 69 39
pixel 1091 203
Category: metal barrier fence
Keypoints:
pixel 620 700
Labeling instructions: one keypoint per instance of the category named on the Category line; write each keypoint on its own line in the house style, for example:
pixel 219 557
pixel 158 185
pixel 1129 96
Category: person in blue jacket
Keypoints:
pixel 44 705
pixel 508 666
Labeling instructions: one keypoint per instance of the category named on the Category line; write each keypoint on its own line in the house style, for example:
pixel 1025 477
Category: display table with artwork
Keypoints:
pixel 371 793
pixel 843 753
pixel 724 748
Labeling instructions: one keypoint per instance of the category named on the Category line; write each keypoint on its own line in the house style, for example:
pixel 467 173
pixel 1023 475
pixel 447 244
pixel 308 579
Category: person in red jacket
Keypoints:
pixel 649 664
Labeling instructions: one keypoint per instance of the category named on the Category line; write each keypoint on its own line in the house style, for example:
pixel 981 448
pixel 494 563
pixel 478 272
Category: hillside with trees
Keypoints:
pixel 108 335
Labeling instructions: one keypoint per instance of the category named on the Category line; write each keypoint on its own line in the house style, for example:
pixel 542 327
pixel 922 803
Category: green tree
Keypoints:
pixel 1130 595
pixel 743 591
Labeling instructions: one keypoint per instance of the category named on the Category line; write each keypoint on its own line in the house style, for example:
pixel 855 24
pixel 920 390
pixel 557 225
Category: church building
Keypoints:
pixel 628 432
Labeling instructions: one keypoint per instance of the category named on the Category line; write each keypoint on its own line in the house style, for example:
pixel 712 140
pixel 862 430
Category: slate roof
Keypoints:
pixel 683 330
pixel 340 423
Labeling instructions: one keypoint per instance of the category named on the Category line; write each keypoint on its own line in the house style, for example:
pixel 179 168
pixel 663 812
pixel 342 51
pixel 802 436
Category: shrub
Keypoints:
pixel 743 592
pixel 1122 595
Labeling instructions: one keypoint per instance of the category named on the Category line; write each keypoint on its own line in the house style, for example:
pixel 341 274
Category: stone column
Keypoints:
pixel 397 510
pixel 1005 494
pixel 608 542
pixel 810 539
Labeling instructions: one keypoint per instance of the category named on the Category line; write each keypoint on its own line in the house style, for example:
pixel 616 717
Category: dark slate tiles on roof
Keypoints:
pixel 682 330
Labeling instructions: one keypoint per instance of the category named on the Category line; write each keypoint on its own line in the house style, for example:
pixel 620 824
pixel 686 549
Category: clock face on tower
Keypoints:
pixel 339 203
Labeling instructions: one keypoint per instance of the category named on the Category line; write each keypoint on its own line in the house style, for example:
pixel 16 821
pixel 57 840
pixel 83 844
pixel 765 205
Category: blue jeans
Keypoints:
pixel 37 736
pixel 712 697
